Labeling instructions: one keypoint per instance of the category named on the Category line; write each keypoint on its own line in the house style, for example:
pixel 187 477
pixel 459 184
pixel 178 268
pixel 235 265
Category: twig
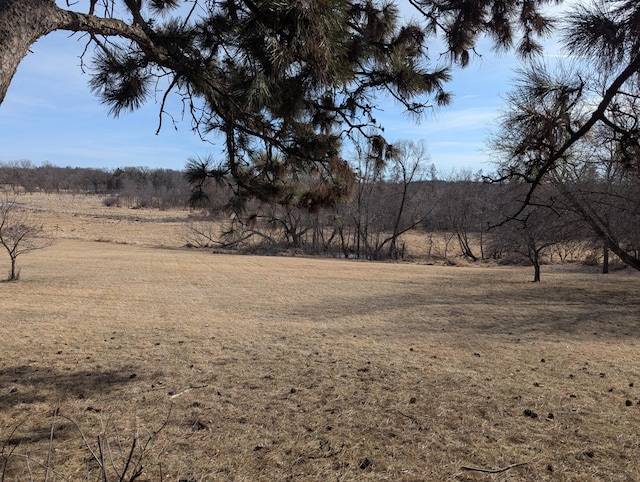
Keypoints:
pixel 412 418
pixel 53 424
pixel 126 465
pixel 176 395
pixel 84 438
pixel 28 461
pixel 494 471
pixel 8 455
pixel 100 461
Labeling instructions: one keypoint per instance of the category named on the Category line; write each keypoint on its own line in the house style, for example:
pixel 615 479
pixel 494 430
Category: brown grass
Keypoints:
pixel 279 368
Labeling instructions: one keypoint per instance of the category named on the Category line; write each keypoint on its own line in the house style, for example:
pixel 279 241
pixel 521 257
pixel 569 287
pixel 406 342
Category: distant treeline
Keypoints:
pixel 132 187
pixel 388 215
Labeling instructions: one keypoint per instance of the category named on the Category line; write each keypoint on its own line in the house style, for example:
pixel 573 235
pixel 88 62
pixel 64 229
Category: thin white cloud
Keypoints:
pixel 459 121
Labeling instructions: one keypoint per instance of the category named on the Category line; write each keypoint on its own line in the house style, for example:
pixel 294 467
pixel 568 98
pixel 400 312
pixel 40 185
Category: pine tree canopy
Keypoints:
pixel 284 82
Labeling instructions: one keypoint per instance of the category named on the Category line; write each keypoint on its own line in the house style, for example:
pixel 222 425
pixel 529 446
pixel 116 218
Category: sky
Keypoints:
pixel 50 116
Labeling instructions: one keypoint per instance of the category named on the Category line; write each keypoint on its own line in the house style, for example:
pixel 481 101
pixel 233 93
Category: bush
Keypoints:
pixel 110 201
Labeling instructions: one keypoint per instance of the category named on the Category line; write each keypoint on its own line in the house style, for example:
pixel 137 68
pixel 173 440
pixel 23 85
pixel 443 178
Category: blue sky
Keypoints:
pixel 50 115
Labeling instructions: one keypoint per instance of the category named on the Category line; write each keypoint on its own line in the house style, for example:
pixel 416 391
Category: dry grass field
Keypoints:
pixel 240 368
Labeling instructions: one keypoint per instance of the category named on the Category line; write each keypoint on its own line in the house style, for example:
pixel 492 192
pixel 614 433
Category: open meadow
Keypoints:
pixel 117 344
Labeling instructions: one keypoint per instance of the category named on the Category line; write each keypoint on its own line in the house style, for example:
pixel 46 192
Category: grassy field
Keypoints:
pixel 241 368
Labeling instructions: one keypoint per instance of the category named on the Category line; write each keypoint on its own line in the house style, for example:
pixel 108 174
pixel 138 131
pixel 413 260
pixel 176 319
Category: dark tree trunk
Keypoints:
pixel 13 274
pixel 465 246
pixel 612 244
pixel 22 22
pixel 605 258
pixel 536 269
pixel 534 256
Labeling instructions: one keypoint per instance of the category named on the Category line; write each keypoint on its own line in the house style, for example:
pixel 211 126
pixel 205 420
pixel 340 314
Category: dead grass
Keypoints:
pixel 86 218
pixel 314 369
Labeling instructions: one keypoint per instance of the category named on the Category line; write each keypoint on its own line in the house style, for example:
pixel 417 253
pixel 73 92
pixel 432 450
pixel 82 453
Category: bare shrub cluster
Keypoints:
pixel 110 453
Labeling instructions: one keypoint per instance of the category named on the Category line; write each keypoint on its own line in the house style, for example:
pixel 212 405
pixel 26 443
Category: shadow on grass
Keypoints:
pixel 25 384
pixel 34 401
pixel 22 386
pixel 486 307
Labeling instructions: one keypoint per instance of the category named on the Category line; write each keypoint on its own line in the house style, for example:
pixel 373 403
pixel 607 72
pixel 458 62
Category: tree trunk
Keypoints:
pixel 614 246
pixel 601 230
pixel 465 246
pixel 534 257
pixel 536 269
pixel 22 22
pixel 12 273
pixel 605 258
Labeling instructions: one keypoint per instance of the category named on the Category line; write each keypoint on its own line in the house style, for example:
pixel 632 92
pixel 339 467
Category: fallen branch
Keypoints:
pixel 494 471
pixel 412 418
pixel 176 395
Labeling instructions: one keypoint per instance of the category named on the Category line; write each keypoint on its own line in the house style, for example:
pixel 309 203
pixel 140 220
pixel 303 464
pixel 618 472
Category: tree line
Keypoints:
pixel 459 215
pixel 399 208
pixel 132 187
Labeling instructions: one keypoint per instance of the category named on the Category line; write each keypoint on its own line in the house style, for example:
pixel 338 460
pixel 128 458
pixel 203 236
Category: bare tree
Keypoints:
pixel 551 114
pixel 545 222
pixel 19 234
pixel 464 210
pixel 596 175
pixel 533 233
pixel 390 198
pixel 407 172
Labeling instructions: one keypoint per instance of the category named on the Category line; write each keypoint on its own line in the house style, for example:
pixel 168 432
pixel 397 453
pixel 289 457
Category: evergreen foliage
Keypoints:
pixel 283 82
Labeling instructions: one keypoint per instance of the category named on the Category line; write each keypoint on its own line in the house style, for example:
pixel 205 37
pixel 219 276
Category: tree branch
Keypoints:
pixel 597 115
pixel 493 471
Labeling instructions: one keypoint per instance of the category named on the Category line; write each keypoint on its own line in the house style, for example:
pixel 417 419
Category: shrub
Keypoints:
pixel 110 201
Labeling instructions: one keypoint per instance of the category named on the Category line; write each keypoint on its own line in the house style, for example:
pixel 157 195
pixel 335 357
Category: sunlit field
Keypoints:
pixel 120 348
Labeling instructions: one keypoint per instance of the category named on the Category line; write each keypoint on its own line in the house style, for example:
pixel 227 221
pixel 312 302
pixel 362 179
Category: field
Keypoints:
pixel 209 367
